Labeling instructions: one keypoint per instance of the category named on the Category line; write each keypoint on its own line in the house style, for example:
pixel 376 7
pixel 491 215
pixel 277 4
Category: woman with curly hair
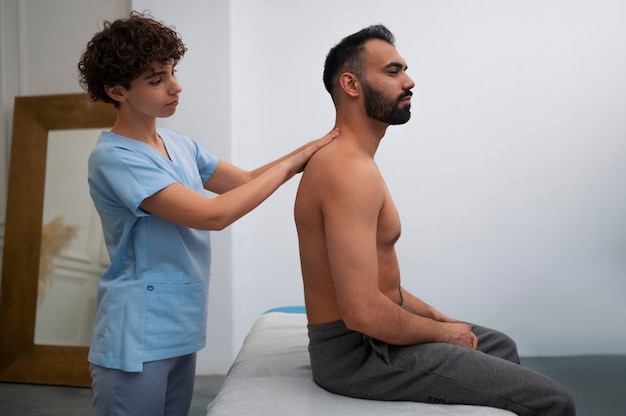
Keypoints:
pixel 148 185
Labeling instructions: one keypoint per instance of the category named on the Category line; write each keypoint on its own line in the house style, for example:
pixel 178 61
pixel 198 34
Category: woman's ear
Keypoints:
pixel 117 93
pixel 349 83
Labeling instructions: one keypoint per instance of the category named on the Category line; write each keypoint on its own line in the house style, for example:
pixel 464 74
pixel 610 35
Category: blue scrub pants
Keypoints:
pixel 163 388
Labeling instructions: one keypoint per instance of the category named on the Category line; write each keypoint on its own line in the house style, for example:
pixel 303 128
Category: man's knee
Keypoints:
pixel 563 404
pixel 509 349
pixel 500 345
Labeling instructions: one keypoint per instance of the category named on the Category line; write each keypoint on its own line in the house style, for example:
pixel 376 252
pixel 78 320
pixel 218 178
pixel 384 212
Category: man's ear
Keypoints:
pixel 117 93
pixel 349 83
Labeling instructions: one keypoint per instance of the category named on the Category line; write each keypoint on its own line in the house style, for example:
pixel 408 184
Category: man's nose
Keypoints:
pixel 410 84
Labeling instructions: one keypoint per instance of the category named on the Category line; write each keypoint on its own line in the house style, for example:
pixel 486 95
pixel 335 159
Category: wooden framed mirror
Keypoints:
pixel 21 359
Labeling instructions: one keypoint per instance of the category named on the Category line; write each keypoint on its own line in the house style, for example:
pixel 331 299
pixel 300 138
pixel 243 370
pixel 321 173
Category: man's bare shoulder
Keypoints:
pixel 339 159
pixel 340 172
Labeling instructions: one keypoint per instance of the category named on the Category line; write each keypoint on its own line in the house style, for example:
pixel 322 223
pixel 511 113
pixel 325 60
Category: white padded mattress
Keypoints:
pixel 271 376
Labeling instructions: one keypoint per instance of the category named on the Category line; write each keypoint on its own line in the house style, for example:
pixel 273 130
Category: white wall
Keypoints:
pixel 509 179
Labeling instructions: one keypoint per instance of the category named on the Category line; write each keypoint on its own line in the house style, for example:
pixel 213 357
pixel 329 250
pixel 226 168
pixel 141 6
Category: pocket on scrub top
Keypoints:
pixel 174 314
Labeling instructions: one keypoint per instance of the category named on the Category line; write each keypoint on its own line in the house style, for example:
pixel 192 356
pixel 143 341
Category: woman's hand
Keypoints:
pixel 301 156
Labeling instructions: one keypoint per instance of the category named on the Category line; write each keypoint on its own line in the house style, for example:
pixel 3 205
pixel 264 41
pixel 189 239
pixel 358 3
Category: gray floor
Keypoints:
pixel 597 383
pixel 38 400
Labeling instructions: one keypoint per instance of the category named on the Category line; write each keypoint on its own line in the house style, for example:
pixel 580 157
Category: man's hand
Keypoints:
pixel 460 334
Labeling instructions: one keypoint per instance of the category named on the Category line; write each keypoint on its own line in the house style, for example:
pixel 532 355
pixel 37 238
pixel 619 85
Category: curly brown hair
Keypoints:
pixel 124 50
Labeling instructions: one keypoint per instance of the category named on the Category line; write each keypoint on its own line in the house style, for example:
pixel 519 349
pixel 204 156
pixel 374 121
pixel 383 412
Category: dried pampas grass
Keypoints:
pixel 55 238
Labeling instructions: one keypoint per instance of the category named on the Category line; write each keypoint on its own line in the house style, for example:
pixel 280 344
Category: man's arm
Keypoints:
pixel 419 307
pixel 352 203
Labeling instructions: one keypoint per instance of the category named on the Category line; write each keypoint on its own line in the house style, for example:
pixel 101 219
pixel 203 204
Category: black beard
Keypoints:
pixel 385 109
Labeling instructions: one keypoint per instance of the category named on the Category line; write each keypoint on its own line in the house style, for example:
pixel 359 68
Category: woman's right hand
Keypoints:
pixel 302 155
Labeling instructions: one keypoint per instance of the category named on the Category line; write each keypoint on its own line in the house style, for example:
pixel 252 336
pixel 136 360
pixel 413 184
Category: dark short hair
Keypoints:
pixel 124 50
pixel 347 54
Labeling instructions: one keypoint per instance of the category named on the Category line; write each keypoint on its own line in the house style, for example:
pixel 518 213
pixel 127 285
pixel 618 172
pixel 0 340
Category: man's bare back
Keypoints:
pixel 337 184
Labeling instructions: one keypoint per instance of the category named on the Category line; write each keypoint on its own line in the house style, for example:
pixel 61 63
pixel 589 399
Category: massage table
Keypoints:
pixel 271 376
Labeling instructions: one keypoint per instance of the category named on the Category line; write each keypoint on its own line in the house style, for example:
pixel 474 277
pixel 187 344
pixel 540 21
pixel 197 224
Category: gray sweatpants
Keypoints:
pixel 352 364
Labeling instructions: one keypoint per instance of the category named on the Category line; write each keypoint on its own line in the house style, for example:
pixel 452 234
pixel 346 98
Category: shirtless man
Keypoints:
pixel 369 337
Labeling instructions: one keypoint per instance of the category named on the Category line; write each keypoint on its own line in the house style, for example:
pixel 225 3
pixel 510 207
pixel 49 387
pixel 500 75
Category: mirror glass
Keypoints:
pixel 72 255
pixel 49 150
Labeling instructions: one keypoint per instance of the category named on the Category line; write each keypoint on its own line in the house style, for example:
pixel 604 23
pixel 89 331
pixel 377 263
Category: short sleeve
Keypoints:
pixel 127 176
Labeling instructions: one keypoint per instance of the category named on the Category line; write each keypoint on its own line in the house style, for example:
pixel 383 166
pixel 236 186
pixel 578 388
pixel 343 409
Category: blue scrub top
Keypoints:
pixel 152 300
